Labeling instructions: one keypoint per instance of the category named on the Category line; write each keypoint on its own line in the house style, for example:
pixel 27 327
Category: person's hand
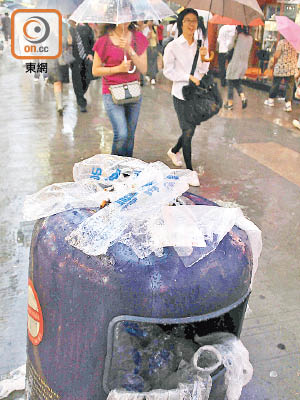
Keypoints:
pixel 125 66
pixel 194 80
pixel 90 57
pixel 123 44
pixel 203 52
pixel 271 63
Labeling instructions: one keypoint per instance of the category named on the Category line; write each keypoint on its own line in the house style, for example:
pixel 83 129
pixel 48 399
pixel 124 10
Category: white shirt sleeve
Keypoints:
pixel 169 70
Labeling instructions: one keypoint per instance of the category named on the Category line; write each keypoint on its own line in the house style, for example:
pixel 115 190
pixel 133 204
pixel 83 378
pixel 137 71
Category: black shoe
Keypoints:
pixel 83 109
pixel 60 112
pixel 228 107
pixel 244 103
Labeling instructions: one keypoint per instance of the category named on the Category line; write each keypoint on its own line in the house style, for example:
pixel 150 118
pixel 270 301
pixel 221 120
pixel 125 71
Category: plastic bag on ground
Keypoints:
pixel 235 358
pixel 60 197
pixel 14 381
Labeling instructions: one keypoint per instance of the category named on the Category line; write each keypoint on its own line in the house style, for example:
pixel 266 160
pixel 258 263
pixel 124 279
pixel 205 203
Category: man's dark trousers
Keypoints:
pixel 81 80
pixel 222 57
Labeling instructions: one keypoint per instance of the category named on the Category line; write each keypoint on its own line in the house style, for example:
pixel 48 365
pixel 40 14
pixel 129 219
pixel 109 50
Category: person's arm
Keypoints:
pixel 276 56
pixel 99 70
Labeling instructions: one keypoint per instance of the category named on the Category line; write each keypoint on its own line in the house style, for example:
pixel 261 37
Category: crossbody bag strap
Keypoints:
pixel 196 57
pixel 134 42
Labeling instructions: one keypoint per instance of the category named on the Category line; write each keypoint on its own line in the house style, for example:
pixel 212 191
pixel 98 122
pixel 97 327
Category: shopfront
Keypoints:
pixel 265 38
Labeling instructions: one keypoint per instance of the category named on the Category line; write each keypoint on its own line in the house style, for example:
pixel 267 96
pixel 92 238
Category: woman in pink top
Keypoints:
pixel 110 64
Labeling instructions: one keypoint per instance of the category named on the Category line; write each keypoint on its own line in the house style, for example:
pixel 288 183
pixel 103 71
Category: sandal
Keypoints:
pixel 228 107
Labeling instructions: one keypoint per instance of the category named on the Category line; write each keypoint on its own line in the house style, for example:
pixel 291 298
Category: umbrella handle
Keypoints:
pixel 211 57
pixel 134 67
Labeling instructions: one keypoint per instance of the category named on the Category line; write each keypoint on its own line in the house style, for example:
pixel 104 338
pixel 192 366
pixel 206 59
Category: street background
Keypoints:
pixel 249 158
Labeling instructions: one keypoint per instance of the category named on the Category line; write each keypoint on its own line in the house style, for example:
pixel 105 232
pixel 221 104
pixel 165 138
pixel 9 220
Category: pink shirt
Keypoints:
pixel 112 55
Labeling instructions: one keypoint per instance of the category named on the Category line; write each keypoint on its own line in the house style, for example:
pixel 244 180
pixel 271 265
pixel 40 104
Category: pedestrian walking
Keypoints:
pixel 285 67
pixel 83 42
pixel 160 32
pixel 6 26
pixel 238 66
pixel 58 69
pixel 225 42
pixel 110 64
pixel 152 52
pixel 140 27
pixel 178 60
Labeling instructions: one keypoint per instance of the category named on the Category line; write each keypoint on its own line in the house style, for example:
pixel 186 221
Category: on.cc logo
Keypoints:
pixel 36 30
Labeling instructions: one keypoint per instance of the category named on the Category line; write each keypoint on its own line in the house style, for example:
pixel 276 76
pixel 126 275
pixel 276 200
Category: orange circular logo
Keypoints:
pixel 35 322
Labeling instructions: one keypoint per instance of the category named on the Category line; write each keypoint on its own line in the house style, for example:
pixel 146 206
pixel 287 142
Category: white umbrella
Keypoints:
pixel 4 10
pixel 65 7
pixel 120 11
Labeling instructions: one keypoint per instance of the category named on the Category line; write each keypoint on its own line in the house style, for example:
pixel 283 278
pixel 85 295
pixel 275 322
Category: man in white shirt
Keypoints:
pixel 225 41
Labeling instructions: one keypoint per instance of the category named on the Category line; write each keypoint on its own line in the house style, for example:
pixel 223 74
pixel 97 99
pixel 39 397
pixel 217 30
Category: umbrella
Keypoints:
pixel 289 30
pixel 171 19
pixel 218 20
pixel 243 11
pixel 4 10
pixel 65 7
pixel 120 11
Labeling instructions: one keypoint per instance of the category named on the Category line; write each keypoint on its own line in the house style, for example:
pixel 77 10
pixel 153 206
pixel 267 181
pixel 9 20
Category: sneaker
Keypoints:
pixel 194 179
pixel 175 158
pixel 269 102
pixel 228 107
pixel 296 123
pixel 83 109
pixel 244 103
pixel 288 106
pixel 153 82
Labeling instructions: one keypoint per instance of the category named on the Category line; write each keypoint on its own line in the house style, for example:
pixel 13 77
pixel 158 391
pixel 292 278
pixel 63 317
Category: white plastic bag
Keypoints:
pixel 63 196
pixel 155 187
pixel 235 358
pixel 14 381
pixel 107 168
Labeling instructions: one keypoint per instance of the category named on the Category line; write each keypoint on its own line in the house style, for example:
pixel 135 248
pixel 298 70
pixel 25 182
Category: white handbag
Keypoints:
pixel 124 93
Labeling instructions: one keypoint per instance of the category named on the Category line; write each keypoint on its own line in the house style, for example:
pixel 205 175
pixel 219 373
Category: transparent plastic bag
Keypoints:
pixel 108 168
pixel 61 197
pixel 235 358
pixel 15 380
pixel 152 361
pixel 154 187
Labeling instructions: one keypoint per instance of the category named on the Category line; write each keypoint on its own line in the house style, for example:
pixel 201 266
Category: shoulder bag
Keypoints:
pixel 129 92
pixel 204 101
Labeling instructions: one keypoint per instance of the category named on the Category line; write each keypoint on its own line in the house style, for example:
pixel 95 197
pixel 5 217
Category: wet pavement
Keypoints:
pixel 250 158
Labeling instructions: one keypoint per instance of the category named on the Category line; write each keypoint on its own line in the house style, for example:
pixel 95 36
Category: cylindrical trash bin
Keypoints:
pixel 75 300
